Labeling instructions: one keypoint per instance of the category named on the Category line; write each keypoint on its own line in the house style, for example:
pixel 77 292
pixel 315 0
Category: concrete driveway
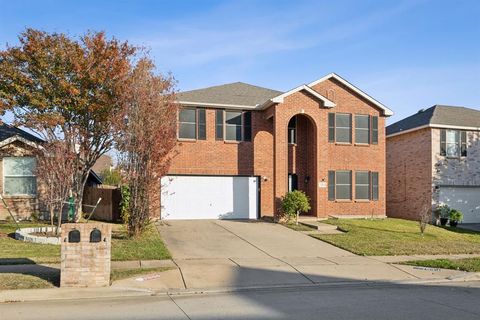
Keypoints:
pixel 221 253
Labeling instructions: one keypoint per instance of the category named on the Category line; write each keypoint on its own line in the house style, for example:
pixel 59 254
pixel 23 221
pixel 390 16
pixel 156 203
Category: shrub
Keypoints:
pixel 456 215
pixel 442 211
pixel 295 202
pixel 125 203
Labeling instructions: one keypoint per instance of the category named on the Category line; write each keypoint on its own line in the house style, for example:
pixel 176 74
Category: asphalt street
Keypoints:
pixel 359 301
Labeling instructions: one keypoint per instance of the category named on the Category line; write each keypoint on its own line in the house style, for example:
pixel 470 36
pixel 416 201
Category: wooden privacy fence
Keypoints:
pixel 108 209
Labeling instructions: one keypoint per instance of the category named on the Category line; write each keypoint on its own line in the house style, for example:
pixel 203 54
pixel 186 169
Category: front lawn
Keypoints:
pixel 468 264
pixel 149 246
pixel 378 237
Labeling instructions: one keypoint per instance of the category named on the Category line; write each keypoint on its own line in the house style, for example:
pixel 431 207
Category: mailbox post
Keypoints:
pixel 85 256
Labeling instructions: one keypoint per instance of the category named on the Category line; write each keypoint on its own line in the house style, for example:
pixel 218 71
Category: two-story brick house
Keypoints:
pixel 433 157
pixel 242 147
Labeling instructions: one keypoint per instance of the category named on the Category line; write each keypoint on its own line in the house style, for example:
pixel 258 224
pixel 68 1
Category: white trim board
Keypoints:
pixel 433 126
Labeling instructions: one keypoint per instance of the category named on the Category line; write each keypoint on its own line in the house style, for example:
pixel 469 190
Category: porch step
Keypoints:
pixel 315 224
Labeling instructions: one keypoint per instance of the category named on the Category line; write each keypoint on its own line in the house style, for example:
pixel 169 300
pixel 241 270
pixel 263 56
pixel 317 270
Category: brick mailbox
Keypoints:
pixel 86 249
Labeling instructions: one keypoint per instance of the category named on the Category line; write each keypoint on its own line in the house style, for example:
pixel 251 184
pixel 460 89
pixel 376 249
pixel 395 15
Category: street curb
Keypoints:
pixel 9 296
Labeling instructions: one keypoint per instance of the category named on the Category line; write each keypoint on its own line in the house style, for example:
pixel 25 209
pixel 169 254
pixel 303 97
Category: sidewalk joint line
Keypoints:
pixel 181 274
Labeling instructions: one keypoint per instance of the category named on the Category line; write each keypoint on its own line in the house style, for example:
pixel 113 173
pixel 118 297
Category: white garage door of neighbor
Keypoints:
pixel 209 197
pixel 465 199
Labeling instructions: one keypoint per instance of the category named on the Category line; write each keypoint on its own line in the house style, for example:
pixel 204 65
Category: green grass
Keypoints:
pixel 399 237
pixel 468 264
pixel 18 252
pixel 128 273
pixel 148 246
pixel 10 281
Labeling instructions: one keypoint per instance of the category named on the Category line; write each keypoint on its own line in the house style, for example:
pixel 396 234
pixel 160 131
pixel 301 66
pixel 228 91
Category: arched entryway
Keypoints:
pixel 302 155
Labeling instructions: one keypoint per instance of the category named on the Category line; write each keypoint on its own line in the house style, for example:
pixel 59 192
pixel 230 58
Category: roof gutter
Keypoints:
pixel 436 126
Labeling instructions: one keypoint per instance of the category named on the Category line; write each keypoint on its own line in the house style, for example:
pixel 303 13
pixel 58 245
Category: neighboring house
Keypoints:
pixel 19 185
pixel 103 163
pixel 433 157
pixel 242 147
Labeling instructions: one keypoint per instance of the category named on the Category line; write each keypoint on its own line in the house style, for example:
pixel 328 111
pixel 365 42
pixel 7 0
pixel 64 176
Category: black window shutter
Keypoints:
pixel 374 183
pixel 219 124
pixel 463 143
pixel 331 185
pixel 331 127
pixel 202 133
pixel 247 126
pixel 374 130
pixel 443 142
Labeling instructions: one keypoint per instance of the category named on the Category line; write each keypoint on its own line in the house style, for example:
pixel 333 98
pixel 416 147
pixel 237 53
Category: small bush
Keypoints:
pixel 442 211
pixel 295 202
pixel 456 215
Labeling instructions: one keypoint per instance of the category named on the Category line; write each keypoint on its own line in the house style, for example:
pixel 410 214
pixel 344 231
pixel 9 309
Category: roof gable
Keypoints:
pixel 280 98
pixel 386 110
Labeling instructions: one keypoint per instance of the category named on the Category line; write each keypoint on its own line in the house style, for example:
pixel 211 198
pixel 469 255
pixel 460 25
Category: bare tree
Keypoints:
pixel 55 172
pixel 425 218
pixel 147 140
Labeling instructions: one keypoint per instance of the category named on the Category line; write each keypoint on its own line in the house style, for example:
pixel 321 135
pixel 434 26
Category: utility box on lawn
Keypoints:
pixel 85 257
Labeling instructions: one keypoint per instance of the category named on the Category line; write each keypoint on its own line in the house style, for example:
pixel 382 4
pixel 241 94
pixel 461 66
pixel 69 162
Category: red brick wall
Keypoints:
pixel 268 157
pixel 409 174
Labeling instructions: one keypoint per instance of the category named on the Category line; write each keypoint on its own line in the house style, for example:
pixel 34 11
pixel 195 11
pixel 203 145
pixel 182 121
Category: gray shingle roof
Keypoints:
pixel 438 115
pixel 237 93
pixel 8 131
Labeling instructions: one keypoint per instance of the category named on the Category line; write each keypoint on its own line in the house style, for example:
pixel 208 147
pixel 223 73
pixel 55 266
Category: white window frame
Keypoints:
pixel 343 184
pixel 338 127
pixel 368 185
pixel 295 131
pixel 17 176
pixel 363 129
pixel 196 123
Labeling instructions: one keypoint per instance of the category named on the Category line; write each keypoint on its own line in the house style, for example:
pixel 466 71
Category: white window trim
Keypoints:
pixel 196 124
pixel 296 132
pixel 14 176
pixel 343 184
pixel 351 127
pixel 368 129
pixel 368 185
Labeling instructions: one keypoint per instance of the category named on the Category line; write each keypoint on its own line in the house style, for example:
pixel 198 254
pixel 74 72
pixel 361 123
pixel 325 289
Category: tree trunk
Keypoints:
pixel 78 190
pixel 298 213
pixel 52 210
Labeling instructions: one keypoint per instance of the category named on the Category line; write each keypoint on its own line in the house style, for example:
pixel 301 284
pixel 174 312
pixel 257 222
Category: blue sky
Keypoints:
pixel 407 54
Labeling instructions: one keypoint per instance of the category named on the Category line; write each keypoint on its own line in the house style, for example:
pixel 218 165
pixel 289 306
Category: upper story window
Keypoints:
pixel 19 177
pixel 292 130
pixel 237 125
pixel 340 128
pixel 453 143
pixel 192 124
pixel 362 129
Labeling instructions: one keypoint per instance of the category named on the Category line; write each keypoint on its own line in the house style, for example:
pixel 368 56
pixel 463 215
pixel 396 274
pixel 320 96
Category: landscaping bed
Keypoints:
pixel 149 246
pixel 389 236
pixel 468 264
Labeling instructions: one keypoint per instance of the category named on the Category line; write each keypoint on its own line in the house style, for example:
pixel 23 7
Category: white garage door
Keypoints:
pixel 209 197
pixel 464 199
